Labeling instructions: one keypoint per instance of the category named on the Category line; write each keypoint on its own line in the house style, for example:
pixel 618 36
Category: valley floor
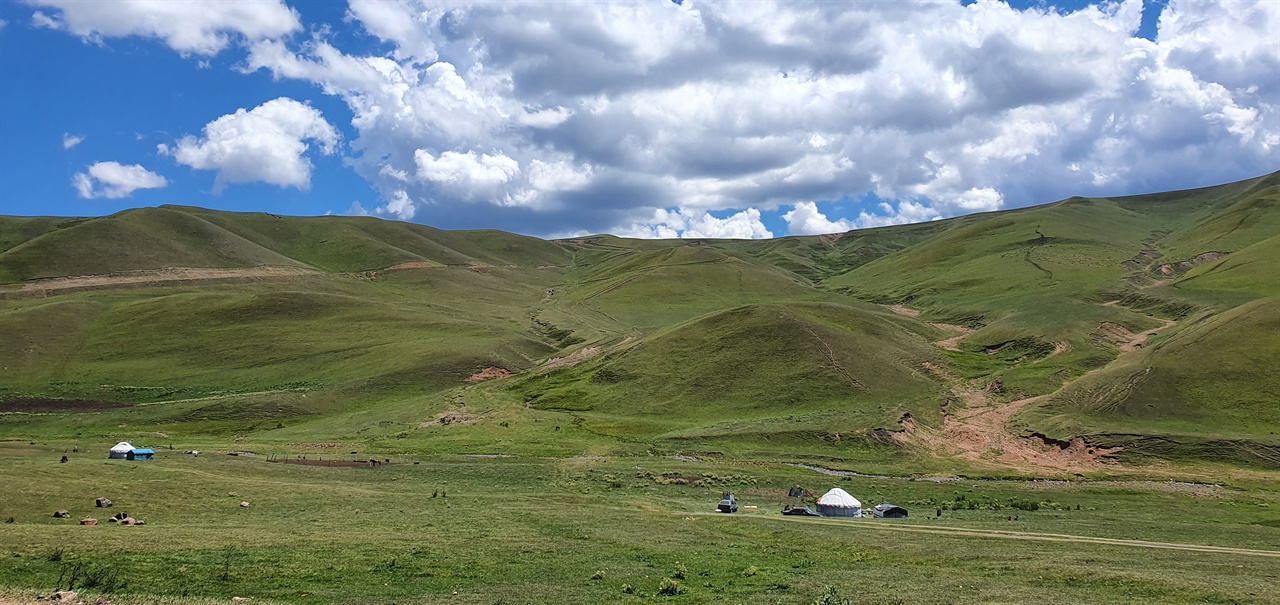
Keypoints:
pixel 601 529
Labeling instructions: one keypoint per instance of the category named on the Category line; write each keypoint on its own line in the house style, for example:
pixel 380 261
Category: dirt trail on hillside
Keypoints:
pixel 950 344
pixel 572 359
pixel 160 276
pixel 953 343
pixel 1139 339
pixel 978 429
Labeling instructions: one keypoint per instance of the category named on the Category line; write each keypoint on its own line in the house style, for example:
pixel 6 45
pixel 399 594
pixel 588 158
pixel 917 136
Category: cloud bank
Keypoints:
pixel 647 118
pixel 198 28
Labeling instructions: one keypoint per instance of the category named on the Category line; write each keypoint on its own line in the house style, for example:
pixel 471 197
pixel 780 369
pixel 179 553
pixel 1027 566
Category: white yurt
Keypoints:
pixel 121 450
pixel 838 503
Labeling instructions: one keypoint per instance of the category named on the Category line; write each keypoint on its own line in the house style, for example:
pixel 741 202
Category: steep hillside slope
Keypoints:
pixel 844 368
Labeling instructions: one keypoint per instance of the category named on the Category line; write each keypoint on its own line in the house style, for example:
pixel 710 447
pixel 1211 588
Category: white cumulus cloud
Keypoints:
pixel 70 140
pixel 687 223
pixel 265 144
pixel 201 28
pixel 113 180
pixel 806 219
pixel 562 117
pixel 596 116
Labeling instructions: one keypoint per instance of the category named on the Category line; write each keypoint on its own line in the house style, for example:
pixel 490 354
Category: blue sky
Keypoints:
pixel 647 119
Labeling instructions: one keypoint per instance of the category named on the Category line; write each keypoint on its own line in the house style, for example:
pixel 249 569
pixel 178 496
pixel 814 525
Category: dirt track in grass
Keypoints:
pixel 172 275
pixel 962 532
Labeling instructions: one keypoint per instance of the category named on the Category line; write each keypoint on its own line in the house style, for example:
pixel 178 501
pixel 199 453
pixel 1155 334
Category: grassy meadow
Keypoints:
pixel 583 529
pixel 1085 389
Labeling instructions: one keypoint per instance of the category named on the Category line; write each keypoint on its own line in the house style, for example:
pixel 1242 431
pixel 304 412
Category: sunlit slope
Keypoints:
pixel 15 230
pixel 176 236
pixel 989 266
pixel 1213 383
pixel 646 289
pixel 845 367
pixel 379 336
pixel 363 243
pixel 148 238
pixel 821 256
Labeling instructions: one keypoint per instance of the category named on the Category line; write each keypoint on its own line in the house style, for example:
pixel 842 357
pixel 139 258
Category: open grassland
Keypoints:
pixel 583 529
pixel 559 417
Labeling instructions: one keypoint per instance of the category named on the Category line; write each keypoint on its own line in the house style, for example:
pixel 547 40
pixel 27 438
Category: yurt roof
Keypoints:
pixel 123 446
pixel 839 497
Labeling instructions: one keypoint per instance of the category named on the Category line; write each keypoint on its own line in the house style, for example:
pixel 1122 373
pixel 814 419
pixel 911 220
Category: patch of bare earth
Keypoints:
pixel 489 373
pixel 1060 347
pixel 572 359
pixel 1114 334
pixel 953 343
pixel 979 432
pixel 979 429
pixel 452 417
pixel 1141 338
pixel 159 276
pixel 1126 340
pixel 903 310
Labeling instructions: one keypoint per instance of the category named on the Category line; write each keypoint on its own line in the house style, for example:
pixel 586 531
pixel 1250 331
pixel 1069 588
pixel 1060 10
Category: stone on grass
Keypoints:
pixel 62 514
pixel 244 504
pixel 65 595
pixel 88 522
pixel 102 503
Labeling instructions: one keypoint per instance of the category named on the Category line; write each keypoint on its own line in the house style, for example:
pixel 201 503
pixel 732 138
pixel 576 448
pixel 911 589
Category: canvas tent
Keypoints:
pixel 838 503
pixel 141 453
pixel 889 511
pixel 121 450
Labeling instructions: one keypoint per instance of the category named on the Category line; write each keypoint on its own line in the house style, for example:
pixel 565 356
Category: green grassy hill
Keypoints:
pixel 762 369
pixel 178 236
pixel 764 346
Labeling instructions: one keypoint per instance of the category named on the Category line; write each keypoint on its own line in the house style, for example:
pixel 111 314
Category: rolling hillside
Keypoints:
pixel 1145 327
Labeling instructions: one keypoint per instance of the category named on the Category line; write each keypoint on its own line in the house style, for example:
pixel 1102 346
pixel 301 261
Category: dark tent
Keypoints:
pixel 889 511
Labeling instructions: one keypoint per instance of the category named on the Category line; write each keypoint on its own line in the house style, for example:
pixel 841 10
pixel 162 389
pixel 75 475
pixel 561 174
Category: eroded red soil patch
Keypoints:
pixel 489 373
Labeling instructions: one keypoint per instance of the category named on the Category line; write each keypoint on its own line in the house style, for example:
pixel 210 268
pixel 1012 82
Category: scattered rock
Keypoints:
pixel 65 595
pixel 238 599
pixel 88 522
pixel 62 514
pixel 996 386
pixel 102 503
pixel 128 521
pixel 244 504
pixel 118 517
